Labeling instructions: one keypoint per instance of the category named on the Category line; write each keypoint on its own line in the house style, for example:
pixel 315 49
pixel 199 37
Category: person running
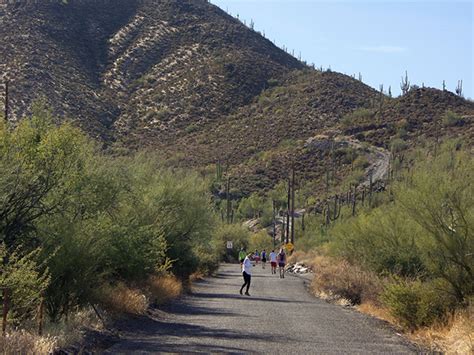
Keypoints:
pixel 273 261
pixel 247 274
pixel 242 255
pixel 282 263
pixel 256 256
pixel 264 258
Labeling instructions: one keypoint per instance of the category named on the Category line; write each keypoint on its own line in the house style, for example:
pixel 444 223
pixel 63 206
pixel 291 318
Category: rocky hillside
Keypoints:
pixel 136 67
pixel 186 79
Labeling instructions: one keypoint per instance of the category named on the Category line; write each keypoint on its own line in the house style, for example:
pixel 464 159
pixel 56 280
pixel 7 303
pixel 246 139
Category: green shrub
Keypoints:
pixel 451 119
pixel 398 145
pixel 439 199
pixel 361 162
pixel 191 128
pixel 237 234
pixel 25 281
pixel 415 303
pixel 260 241
pixel 251 207
pixel 273 82
pixel 96 219
pixel 358 115
pixel 382 240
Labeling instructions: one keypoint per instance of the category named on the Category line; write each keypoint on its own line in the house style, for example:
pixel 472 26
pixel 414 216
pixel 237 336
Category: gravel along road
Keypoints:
pixel 279 317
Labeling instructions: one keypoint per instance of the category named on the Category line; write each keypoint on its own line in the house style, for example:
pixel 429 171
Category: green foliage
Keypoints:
pixel 357 116
pixel 273 82
pixel 95 218
pixel 314 235
pixel 451 119
pixel 415 303
pixel 237 234
pixel 439 198
pixel 423 230
pixel 260 241
pixel 279 194
pixel 25 280
pixel 251 207
pixel 191 128
pixel 382 240
pixel 398 145
pixel 361 162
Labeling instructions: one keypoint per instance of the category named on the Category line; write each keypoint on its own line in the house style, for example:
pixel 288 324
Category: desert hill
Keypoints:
pixel 195 84
pixel 120 65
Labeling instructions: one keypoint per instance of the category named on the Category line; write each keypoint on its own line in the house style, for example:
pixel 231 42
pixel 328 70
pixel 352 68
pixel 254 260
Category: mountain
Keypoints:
pixel 184 78
pixel 136 67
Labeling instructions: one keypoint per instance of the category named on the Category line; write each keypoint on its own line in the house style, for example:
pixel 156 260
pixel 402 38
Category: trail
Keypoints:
pixel 279 317
pixel 379 160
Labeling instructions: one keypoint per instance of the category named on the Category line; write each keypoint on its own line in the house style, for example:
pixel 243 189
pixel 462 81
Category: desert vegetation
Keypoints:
pixel 400 247
pixel 408 253
pixel 81 230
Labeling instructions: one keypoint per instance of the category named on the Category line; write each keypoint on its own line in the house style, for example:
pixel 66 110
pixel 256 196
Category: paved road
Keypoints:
pixel 279 317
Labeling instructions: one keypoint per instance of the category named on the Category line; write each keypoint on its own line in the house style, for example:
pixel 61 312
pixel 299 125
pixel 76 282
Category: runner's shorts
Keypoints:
pixel 274 264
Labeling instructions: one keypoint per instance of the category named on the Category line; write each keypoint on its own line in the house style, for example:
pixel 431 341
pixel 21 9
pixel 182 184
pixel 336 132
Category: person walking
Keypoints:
pixel 273 262
pixel 264 258
pixel 242 255
pixel 282 262
pixel 247 274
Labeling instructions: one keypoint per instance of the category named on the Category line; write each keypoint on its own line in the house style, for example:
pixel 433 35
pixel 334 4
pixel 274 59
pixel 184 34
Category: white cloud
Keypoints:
pixel 383 49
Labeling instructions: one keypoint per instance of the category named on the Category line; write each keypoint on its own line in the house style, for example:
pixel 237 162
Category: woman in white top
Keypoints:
pixel 247 274
pixel 273 261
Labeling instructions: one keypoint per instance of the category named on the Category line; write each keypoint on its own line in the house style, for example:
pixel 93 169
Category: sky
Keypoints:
pixel 432 41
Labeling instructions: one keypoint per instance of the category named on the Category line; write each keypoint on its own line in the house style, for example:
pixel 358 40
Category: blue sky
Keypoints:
pixel 433 41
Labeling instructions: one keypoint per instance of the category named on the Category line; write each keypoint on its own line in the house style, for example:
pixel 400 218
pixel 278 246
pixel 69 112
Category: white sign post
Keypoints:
pixel 230 245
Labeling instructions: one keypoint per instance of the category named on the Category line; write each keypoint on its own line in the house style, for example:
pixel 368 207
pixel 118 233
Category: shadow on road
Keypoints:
pixel 170 347
pixel 237 296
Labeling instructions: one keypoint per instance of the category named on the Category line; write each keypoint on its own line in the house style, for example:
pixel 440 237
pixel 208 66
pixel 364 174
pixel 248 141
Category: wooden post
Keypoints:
pixel 282 237
pixel 6 101
pixel 41 316
pixel 371 185
pixel 6 301
pixel 228 200
pixel 274 223
pixel 354 201
pixel 293 206
pixel 288 208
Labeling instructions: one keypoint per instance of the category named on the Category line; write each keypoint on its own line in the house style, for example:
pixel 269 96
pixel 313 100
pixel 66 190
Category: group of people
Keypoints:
pixel 246 262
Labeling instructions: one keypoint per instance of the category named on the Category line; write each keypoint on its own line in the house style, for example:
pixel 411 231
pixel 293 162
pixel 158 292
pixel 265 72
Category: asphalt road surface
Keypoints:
pixel 279 317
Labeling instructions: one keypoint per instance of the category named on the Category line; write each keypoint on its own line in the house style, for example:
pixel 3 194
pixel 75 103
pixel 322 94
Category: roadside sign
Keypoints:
pixel 289 247
pixel 230 245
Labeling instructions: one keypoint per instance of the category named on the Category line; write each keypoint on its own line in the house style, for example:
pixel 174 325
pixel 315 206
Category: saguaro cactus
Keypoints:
pixel 354 200
pixel 459 88
pixel 332 216
pixel 218 171
pixel 405 84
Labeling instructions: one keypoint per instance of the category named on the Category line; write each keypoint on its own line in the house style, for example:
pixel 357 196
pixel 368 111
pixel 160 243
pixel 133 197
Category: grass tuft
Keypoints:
pixel 163 289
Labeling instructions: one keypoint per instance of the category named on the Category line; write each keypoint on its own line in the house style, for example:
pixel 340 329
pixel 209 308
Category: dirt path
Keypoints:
pixel 279 317
pixel 379 160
